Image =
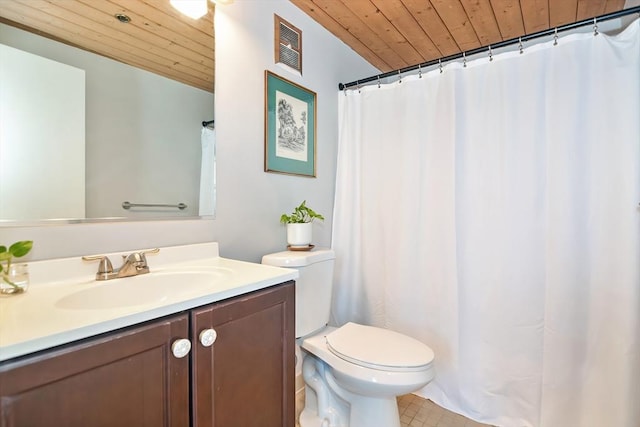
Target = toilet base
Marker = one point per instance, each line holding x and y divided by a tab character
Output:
329	405
378	413
375	412
308	419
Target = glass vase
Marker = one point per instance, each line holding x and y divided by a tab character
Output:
15	280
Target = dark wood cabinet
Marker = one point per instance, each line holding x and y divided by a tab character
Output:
131	377
127	378
246	378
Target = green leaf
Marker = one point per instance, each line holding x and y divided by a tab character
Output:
20	249
301	214
3	249
5	256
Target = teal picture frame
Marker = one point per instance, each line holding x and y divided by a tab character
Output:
289	127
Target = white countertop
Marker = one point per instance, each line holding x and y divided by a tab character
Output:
38	319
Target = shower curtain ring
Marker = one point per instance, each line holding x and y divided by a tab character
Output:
520	45
358	85
419	71
440	65
595	27
464	59
399	77
490	54
378	81
555	36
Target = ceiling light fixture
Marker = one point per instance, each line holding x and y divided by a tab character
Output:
192	8
122	18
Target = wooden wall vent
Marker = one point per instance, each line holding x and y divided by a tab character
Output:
288	43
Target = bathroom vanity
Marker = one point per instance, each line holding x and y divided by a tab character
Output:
217	356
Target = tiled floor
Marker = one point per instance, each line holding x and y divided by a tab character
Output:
418	412
415	412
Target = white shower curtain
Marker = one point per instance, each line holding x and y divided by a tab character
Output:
207	172
491	211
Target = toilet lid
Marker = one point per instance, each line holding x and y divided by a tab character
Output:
378	348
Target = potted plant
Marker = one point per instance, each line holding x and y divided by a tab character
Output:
299	225
14	278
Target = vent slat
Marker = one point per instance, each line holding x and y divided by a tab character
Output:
289	57
288	44
289	37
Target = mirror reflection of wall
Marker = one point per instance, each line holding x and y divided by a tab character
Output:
41	139
143	132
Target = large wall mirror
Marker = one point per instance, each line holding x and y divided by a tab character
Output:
104	103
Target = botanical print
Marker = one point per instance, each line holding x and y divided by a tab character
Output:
290	116
291	127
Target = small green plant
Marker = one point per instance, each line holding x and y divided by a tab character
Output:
300	215
17	250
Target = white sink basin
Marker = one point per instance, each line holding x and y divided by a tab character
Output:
145	289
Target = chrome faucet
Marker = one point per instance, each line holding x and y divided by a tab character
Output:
132	265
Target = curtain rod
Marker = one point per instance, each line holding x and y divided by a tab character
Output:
207	123
527	37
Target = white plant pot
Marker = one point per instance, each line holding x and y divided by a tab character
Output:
299	234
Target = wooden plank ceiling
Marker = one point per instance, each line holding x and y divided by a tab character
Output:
393	34
158	38
390	34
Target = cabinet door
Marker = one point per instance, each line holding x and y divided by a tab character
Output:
125	378
246	378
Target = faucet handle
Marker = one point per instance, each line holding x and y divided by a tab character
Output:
134	258
150	251
105	268
139	257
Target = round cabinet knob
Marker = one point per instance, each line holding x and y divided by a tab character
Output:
208	337
180	348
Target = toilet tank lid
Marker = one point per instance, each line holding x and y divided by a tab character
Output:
298	258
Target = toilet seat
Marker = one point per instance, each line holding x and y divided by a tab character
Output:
378	348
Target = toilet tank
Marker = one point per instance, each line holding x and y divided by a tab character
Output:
313	287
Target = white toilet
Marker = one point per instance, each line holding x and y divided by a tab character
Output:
353	373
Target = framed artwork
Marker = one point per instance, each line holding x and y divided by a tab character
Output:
289	127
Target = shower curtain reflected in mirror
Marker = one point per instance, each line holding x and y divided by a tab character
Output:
492	212
207	172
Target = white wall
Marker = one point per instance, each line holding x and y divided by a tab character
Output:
31	119
250	201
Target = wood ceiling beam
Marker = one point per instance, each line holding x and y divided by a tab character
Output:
321	16
483	20
535	15
408	27
562	12
455	18
429	20
379	25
